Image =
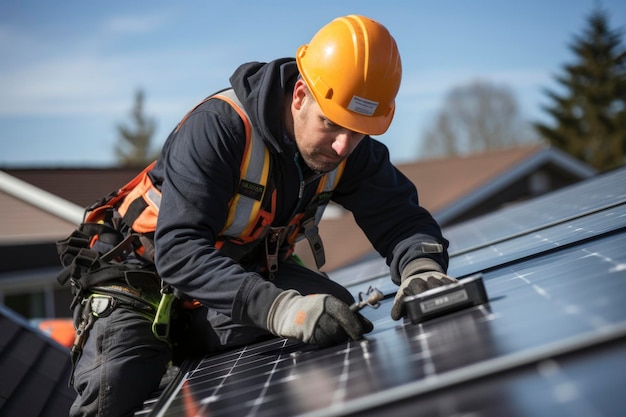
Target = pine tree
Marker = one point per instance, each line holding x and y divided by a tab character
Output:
590	117
133	149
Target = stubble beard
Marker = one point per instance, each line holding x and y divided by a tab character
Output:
315	162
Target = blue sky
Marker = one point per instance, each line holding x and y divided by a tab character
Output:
69	69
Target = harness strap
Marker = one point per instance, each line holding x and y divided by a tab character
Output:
311	233
85	323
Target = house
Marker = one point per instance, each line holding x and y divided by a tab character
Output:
41	206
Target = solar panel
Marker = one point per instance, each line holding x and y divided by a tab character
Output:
578	200
539	309
535	241
588	208
551	340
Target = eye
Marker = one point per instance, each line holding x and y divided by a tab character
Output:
327	123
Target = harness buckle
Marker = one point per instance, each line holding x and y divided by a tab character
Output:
273	242
101	305
311	233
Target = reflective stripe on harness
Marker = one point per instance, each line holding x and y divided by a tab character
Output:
252	208
246	205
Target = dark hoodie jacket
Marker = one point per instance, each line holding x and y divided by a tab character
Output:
198	173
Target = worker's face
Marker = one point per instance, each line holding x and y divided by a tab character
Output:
322	144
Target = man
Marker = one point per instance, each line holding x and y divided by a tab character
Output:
243	176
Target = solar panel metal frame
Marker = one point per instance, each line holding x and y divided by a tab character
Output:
564	279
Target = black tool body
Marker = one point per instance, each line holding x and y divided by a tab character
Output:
468	292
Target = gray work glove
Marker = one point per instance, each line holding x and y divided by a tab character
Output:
416	280
318	319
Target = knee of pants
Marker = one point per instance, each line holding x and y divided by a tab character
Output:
207	331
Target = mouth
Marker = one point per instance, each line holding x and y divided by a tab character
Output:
323	162
335	159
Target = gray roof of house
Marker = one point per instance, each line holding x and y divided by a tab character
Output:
35	370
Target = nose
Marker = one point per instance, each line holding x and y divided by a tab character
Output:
345	142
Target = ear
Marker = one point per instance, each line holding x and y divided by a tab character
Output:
299	94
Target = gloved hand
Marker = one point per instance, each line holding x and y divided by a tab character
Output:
415	284
319	319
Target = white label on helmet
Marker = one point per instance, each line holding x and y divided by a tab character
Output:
362	105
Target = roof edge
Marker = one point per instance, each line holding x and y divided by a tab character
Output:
41	199
529	164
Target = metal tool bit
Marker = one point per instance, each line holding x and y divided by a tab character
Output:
374	295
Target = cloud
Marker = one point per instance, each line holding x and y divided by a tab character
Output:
83	77
61	75
66	85
133	24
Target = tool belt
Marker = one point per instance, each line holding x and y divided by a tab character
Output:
99	288
99	302
100	284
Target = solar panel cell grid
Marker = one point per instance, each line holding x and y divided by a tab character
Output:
535	304
578	200
553	331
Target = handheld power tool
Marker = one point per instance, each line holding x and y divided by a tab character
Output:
468	292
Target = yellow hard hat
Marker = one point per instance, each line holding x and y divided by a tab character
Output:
352	67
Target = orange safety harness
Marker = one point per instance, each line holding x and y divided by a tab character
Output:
124	223
126	218
252	208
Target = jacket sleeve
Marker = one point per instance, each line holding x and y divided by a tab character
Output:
200	171
385	205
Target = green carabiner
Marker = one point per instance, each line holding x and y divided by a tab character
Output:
161	323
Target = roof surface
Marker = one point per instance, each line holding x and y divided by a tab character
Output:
550	341
438	180
22	222
81	186
35	371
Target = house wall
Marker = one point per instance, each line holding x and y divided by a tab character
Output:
28	280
